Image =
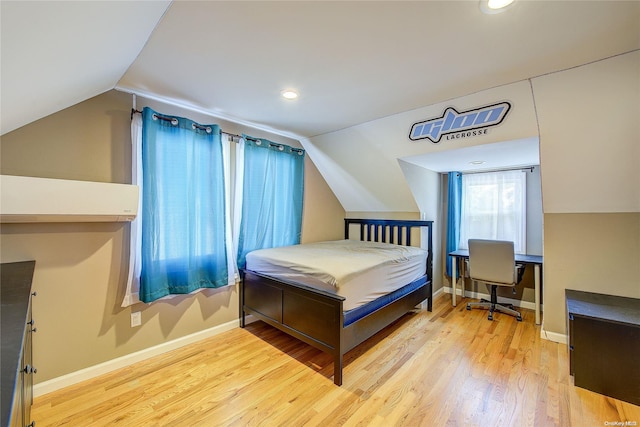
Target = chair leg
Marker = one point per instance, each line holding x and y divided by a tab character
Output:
501	308
493	305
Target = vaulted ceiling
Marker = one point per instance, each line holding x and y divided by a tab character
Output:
351	61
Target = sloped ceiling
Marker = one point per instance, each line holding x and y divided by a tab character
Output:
56	54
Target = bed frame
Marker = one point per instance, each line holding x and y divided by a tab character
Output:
317	317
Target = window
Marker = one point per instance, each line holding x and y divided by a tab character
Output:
184	245
185	237
494	207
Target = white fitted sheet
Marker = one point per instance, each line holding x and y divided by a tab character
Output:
358	271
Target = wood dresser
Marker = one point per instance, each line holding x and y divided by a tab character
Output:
17	327
604	343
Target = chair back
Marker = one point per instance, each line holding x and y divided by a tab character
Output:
492	261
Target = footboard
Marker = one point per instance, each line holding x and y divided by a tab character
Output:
311	315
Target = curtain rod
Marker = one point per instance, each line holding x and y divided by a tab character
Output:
199	110
522	168
232	135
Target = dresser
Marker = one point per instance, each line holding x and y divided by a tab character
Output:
604	344
17	327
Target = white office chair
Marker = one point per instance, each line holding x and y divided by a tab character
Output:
493	262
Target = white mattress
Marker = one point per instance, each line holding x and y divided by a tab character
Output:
358	271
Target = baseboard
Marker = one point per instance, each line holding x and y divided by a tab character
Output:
553	336
72	378
447	289
439	292
477	295
423	304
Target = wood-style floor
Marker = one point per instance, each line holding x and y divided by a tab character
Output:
447	367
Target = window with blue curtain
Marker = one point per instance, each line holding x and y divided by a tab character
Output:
272	196
183	207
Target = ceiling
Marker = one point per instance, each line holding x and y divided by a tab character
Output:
352	62
499	155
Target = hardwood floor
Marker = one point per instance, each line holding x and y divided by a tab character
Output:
447	367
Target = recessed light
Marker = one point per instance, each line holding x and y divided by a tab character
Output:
289	94
477	162
494	6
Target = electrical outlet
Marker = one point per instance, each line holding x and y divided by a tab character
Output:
136	319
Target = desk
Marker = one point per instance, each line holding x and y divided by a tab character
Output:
535	260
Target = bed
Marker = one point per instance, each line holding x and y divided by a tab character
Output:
315	314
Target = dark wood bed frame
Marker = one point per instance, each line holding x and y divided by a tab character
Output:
315	316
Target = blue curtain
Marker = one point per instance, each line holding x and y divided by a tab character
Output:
183	220
272	196
454	210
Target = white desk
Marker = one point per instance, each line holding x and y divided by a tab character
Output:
535	260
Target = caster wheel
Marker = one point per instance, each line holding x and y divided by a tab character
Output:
468	307
519	318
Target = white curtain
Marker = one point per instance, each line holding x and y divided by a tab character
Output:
132	291
494	207
232	267
237	207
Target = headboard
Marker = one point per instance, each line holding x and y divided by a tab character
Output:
392	231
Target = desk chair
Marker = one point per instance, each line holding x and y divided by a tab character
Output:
493	263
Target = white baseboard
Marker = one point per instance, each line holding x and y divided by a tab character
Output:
423	304
439	292
553	336
447	289
129	359
477	295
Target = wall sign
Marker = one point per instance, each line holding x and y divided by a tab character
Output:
455	125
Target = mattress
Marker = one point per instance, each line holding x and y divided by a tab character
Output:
359	271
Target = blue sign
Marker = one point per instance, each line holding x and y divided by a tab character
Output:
460	125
